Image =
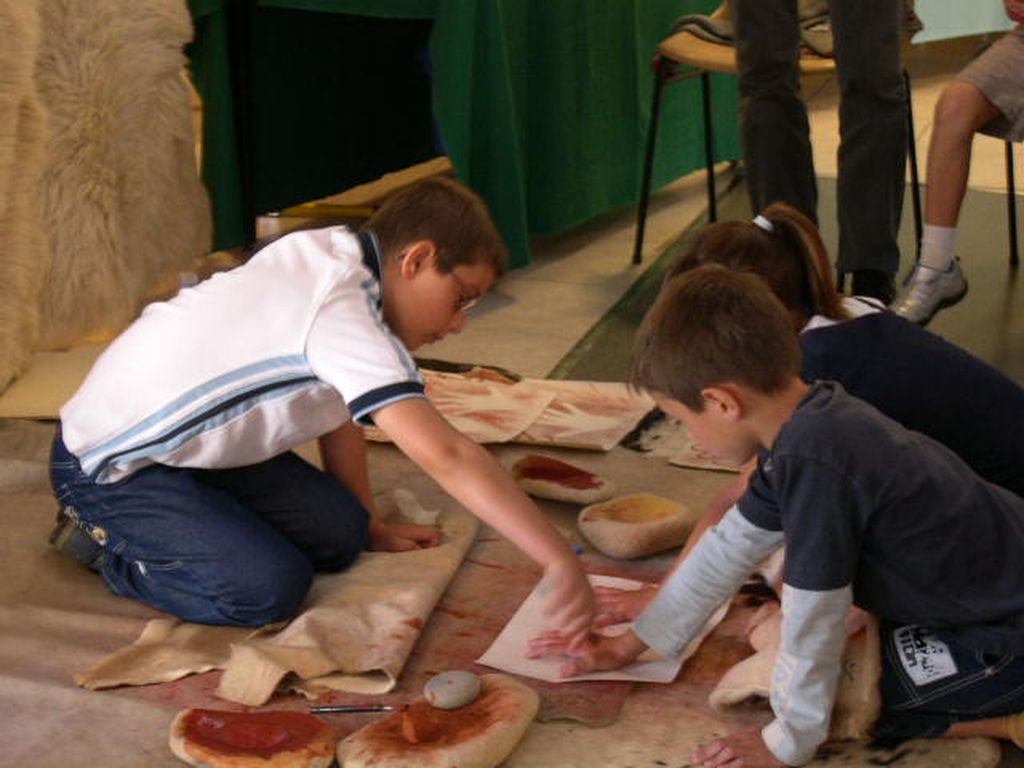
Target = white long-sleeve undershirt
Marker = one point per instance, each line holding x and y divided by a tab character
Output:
806	671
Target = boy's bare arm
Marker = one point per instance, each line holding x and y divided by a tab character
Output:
619	605
717	508
343	453
472	476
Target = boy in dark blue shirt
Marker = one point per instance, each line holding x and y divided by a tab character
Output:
871	514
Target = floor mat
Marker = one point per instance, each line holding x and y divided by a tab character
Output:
493	581
486	591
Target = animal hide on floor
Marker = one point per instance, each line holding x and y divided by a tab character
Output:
858	700
121	204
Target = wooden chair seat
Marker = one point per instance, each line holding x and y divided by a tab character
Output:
687	49
1011	204
684	55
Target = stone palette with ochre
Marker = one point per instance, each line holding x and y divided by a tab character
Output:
546	477
636	525
275	739
479	734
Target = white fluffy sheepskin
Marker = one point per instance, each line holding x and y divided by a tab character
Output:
121	199
23	251
116	185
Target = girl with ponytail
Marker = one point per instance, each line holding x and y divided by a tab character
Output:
909	374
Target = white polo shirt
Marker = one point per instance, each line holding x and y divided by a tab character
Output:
245	365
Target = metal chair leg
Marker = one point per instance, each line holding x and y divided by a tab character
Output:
915	184
242	18
709	144
1011	204
661	70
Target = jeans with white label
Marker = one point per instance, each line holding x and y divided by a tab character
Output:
216	546
929	682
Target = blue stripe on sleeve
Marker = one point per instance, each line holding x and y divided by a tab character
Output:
363	406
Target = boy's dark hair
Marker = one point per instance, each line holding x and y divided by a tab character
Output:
448	214
791	258
711	325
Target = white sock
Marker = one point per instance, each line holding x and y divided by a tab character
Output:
937	246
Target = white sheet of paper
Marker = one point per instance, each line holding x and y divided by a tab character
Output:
508	651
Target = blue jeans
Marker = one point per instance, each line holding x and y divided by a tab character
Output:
930	681
216	546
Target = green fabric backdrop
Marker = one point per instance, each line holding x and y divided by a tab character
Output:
541	105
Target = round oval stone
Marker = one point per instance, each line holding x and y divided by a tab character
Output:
451	690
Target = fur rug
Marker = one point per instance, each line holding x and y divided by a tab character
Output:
121	205
23	251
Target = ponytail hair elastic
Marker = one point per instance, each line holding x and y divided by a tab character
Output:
763	223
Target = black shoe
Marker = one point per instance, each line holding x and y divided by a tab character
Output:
73	542
874	283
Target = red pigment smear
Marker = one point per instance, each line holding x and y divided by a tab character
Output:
414	623
251	733
422	727
535	467
453	612
485	565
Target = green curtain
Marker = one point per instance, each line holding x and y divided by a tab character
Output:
542	105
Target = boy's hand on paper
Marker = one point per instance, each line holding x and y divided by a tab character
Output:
568	599
402	537
615	606
596	653
743	748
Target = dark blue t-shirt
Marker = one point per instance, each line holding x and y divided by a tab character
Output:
896	515
926	384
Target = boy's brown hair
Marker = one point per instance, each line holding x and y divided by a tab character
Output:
790	257
448	214
711	325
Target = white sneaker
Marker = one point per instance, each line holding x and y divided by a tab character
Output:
927	290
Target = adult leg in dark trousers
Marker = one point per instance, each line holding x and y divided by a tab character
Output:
872	152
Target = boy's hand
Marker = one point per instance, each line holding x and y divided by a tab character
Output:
744	748
568	599
594	654
401	537
615	606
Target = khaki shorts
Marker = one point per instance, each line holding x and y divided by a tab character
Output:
997	73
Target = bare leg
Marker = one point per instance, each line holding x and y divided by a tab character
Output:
937	280
961	110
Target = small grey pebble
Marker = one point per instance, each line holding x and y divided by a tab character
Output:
451	690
